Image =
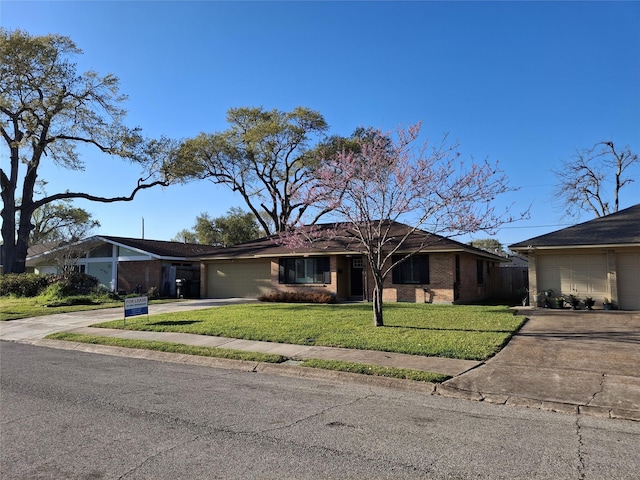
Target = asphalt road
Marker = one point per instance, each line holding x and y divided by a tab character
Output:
72	415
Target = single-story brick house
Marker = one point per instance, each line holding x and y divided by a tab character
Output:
599	258
444	271
128	264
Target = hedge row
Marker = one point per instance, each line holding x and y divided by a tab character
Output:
32	284
297	297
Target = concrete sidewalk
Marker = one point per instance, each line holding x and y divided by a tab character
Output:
447	366
572	362
36	328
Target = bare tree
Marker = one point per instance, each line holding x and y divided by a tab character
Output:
592	179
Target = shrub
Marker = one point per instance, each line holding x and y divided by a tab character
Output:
297	297
55	291
23	284
76	283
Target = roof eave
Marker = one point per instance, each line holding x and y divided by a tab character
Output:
529	248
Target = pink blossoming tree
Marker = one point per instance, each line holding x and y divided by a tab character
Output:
389	179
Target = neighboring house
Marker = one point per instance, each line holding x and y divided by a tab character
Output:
444	271
599	258
128	264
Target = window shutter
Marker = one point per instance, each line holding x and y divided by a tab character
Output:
423	266
281	270
396	275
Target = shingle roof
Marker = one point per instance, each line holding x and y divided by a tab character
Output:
336	239
157	248
46	247
620	228
163	248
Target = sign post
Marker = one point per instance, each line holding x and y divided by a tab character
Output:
135	306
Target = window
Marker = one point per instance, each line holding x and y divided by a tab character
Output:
413	270
480	271
127	252
102	251
305	270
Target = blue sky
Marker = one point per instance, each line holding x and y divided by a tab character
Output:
518	82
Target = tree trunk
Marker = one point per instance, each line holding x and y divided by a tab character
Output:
377	305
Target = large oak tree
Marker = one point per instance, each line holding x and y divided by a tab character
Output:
237	226
48	110
267	156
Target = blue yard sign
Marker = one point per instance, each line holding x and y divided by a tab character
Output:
136	306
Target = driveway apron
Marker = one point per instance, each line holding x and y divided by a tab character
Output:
586	360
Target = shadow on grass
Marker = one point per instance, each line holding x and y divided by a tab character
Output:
442	329
175	323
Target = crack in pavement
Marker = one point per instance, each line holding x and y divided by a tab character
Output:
317	414
600	390
157	454
580	452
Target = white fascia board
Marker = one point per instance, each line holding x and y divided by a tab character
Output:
573	247
118	244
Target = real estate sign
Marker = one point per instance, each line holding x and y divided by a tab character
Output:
136	306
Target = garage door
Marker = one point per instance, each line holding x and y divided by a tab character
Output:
629	281
239	278
581	275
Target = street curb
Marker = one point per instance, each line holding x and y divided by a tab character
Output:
525	402
241	365
342	377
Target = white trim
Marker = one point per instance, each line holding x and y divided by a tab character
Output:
565	247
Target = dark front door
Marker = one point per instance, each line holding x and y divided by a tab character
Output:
357	281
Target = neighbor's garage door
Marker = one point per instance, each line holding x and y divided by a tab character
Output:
581	275
240	278
629	281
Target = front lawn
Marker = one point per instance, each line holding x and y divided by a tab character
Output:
466	332
14	308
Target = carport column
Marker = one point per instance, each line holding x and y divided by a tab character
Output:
612	275
533	283
203	280
114	268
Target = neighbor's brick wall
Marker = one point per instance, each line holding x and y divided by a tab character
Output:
147	274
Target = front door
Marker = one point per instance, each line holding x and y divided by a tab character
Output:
357	278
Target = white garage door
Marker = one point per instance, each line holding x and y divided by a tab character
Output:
629	281
581	275
239	278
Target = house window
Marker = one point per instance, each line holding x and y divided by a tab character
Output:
413	270
480	271
102	251
305	270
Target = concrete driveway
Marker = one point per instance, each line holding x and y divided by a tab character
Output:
584	361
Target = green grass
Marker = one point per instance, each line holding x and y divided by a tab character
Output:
169	347
390	372
14	308
376	370
465	332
